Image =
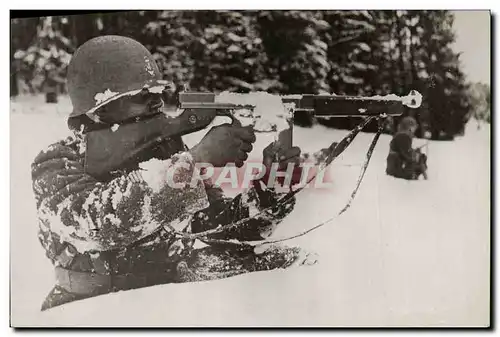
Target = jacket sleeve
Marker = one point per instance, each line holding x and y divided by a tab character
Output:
97	216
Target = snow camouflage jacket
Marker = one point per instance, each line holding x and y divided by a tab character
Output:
401	144
124	224
401	162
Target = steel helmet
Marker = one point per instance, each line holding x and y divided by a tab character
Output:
107	68
407	123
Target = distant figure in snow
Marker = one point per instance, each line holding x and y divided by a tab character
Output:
120	230
403	161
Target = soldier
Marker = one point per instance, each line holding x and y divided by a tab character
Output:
115	232
403	161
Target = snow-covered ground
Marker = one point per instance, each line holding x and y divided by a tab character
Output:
405	254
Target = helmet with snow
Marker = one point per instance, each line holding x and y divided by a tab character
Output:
109	68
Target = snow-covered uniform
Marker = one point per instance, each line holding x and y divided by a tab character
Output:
116	234
112	232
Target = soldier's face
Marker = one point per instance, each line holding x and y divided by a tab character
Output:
131	108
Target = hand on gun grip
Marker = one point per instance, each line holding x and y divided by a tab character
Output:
275	153
225	144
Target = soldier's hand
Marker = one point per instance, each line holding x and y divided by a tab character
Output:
274	153
225	144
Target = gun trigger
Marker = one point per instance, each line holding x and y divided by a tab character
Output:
235	121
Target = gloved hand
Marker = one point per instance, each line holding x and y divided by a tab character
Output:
225	144
275	153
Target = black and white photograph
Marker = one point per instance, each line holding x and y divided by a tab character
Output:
250	168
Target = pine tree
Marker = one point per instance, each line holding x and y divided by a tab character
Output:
398	50
230	54
298	55
209	50
171	37
349	51
350	58
44	62
446	88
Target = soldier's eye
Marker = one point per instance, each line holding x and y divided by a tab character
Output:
156	104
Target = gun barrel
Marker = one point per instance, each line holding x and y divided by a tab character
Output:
319	105
213	105
345	106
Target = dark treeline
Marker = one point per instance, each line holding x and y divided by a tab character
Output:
287	52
